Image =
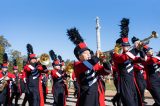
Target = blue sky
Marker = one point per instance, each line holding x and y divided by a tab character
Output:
43	23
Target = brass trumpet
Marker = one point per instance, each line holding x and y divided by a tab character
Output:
146	40
153	35
118	48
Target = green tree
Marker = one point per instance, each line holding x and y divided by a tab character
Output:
15	54
4	44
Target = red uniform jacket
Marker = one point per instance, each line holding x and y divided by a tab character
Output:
148	65
80	69
125	67
40	69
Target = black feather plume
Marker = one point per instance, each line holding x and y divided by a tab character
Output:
29	49
52	55
124	27
14	62
5	58
74	36
60	58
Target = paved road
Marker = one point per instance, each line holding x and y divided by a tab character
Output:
71	100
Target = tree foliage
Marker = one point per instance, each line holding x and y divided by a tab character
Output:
4	44
15	54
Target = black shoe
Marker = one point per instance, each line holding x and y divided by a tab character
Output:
113	102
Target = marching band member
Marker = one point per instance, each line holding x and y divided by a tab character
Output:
16	87
139	71
33	72
87	70
128	88
152	67
5	78
58	88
